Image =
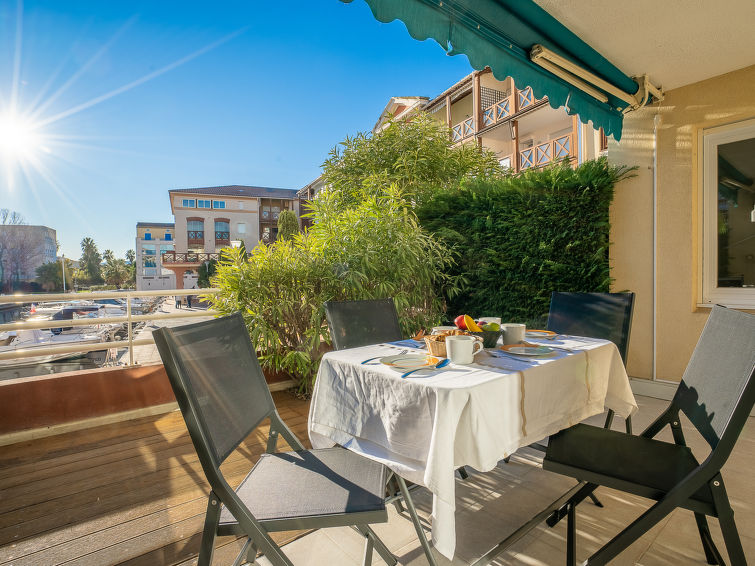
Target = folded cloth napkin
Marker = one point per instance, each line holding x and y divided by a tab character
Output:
409	343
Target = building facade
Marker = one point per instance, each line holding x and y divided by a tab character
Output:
212	218
153	240
522	131
23	248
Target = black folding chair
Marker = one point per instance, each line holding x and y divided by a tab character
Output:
595	315
717	393
361	323
223	397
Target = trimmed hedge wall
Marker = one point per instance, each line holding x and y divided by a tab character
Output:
519	238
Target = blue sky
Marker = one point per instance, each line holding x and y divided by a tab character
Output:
244	92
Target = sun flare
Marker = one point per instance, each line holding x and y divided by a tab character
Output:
19	137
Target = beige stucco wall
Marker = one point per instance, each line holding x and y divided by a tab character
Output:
461	109
682	115
158	232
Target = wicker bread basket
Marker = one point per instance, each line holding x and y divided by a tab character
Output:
436	347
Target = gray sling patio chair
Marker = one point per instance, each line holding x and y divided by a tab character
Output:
361	323
223	396
716	393
595	315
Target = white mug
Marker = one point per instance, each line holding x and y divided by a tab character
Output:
513	333
461	349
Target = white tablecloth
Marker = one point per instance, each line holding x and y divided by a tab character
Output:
425	427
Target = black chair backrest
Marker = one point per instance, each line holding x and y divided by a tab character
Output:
717	391
596	315
360	323
218	383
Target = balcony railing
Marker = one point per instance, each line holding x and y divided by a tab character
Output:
498	111
524	99
129	319
546	152
462	130
503	109
188	257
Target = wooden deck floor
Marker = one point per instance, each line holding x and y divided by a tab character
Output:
127	493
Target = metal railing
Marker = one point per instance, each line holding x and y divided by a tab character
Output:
129	319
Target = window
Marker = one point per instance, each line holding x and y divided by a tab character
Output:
188	203
222	230
265	213
148	257
241	228
168	236
147	236
218	204
505	162
204	204
241	205
165	248
195	231
727	250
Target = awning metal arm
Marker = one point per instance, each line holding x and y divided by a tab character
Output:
587	81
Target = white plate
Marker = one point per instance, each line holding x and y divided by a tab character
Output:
539	334
528	350
406	362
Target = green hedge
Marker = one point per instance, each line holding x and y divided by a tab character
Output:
521	237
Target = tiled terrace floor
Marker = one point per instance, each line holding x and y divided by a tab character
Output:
133	494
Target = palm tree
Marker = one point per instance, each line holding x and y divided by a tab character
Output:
116	272
91	260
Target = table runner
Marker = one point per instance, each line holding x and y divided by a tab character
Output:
427	426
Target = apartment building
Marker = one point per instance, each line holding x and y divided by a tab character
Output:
521	130
209	219
153	240
24	248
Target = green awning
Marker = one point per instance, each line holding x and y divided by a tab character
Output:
500	34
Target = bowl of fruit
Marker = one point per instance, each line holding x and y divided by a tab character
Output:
490	332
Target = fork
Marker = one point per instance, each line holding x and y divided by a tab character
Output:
401	353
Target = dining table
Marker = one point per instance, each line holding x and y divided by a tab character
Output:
429	424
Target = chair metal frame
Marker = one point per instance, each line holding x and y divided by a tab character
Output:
707	475
398	491
256	530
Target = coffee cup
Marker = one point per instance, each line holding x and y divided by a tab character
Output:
462	349
513	333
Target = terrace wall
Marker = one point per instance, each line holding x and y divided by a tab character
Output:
681	116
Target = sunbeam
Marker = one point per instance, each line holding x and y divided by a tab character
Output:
44	105
142	80
27	144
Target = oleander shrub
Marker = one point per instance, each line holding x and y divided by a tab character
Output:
520	237
365	242
373	250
